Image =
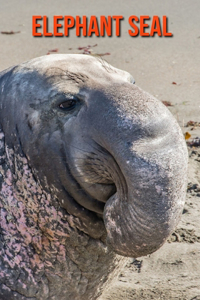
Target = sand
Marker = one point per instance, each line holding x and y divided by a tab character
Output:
168	68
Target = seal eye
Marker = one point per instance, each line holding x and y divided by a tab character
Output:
67	105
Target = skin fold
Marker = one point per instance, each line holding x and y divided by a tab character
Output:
92	170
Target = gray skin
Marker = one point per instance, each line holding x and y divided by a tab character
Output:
92	169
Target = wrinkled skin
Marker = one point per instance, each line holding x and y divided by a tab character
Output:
91	167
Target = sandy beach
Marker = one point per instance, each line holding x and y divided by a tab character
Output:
166	67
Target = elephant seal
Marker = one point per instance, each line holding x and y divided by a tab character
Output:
92	170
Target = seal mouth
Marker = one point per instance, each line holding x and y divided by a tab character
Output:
93	178
101	193
105	191
103	178
96	203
